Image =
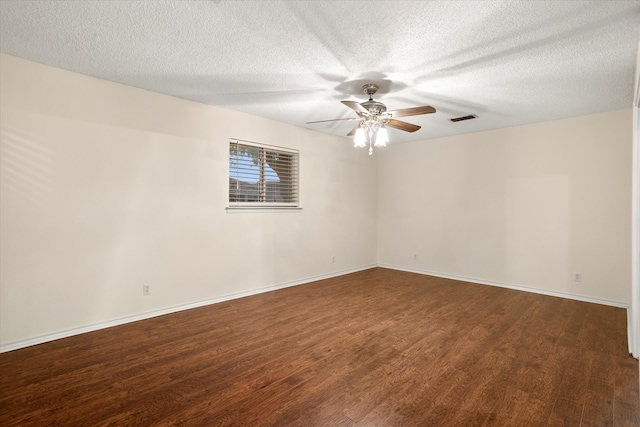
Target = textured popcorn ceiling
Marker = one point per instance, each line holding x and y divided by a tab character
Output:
508	62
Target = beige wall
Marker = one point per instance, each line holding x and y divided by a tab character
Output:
105	187
524	206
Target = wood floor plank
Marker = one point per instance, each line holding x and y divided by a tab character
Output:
572	392
377	347
626	392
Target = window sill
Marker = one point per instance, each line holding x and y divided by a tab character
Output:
262	209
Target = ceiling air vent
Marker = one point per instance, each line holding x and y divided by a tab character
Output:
459	119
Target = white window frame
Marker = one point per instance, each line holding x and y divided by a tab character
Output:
261	205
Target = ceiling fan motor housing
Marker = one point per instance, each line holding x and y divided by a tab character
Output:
374	107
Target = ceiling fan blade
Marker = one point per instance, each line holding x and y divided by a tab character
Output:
407	127
353	131
355	106
415	111
334	120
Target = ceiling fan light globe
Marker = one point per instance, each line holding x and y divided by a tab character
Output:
360	139
382	138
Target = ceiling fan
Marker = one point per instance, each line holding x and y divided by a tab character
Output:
373	119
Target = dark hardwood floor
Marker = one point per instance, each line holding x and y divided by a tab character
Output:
374	348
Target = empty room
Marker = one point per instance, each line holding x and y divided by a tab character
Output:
319	213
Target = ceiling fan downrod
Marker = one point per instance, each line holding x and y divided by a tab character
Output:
370	89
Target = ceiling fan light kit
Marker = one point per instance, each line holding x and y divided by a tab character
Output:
374	118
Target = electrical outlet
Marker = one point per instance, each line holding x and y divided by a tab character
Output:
577	277
146	289
415	257
333	259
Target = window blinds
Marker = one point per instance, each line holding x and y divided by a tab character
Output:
261	175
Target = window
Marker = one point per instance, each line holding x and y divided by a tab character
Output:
262	176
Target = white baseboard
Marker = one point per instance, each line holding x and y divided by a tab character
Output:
567	295
147	315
